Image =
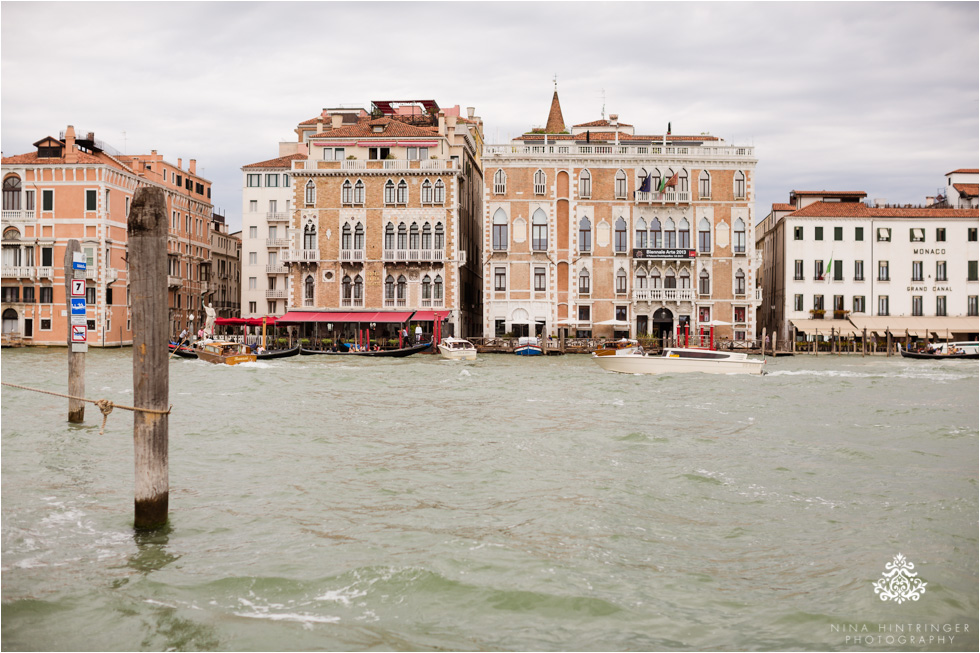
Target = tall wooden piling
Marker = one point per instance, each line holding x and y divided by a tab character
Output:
147	229
76	359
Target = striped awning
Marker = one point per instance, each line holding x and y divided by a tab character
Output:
346	317
825	327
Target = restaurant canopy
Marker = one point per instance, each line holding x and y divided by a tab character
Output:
920	326
246	321
346	317
825	327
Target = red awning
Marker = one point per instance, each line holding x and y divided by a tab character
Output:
296	317
430	316
246	321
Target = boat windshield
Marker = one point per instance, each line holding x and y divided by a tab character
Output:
687	353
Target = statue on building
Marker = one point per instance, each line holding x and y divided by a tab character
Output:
209	324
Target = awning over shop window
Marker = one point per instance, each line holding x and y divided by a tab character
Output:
919	326
430	316
344	317
824	327
245	321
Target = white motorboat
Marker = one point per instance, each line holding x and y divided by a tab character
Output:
676	360
621	347
457	349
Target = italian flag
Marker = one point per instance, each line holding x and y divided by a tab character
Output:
663	184
830	264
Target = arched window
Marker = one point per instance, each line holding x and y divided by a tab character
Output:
346	284
655	278
585	184
670	281
641	279
440	242
358	289
308	289
683	183
309	236
10	321
670	236
11	194
347	192
11	233
684	234
739	185
539	231
413	236
389	192
621	242
390	236
440	194
655	180
656	235
621	281
499	230
402	236
620	184
738	245
585	235
402	192
641	178
641	234
704	283
358	236
704	236
685	279
704	185
499	182
437	289
359	192
584	287
427	236
310	193
427	192
345	238
389	288
426	289
540	182
740	283
401	288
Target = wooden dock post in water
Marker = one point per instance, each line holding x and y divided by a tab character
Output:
76	359
147	229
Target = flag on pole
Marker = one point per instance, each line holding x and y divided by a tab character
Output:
673	180
663	184
645	186
830	264
668	129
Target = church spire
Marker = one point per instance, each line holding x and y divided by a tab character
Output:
556	123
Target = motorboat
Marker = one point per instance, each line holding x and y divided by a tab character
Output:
457	349
676	360
528	346
621	347
223	352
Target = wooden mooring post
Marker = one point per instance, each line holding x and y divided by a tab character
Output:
76	351
147	230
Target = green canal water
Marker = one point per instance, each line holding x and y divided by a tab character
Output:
499	504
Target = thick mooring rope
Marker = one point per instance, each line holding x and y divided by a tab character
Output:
104	405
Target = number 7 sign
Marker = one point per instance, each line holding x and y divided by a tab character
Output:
78	287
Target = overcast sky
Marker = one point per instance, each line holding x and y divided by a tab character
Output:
880	97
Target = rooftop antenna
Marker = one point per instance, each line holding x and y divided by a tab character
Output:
603	103
125	148
556	82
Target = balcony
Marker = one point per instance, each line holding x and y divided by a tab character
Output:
414	255
347	301
432	303
352	255
700	152
19	215
276	294
376	165
276	269
45	273
173	282
277	242
664	295
390	303
302	256
278	216
666	197
91	274
111	274
18	271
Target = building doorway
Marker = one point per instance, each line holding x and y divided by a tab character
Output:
663	323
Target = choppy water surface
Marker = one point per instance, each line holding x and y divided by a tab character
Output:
505	503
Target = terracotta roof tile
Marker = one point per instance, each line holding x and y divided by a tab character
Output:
392	129
860	210
967	190
279	162
556	122
83	157
831	193
965	171
783	207
602	123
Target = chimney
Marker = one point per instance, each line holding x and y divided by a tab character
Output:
442	123
180	163
614	119
451	122
336	121
319	125
192	167
470	112
71	155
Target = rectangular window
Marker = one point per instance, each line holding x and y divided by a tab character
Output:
858	233
253	258
818	233
858	304
941	305
797	302
499	328
254	181
47	200
884	235
971	270
418	153
940	235
272	180
739	314
941	271
28	294
916	304
971	305
90	295
252	307
29	200
838	233
253	206
47	295
584	313
917	271
376	153
797	233
91	200
798	270
859	270
47	256
253	283
45	324
500	279
971	234
253	232
838	270
917	235
882	270
818	270
540	279
883	305
11	294
818	302
90	324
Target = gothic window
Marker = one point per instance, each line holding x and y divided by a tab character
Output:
670	236
437	289
389	287
704	283
641	279
402	192
684	234
358	236
426	288
540	182
585	235
440	192
641	234
499	182
539	231
739	185
739	245
347	192
739	283
500	230
685	277
389	192
390	236
622	236
309	237
620	185
345	238
308	288
310	193
704	236
621	281
585	184
427	236
656	235
583	282
413	236
440	242
402	236
427	192
704	185
359	192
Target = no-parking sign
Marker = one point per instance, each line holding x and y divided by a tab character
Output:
78	333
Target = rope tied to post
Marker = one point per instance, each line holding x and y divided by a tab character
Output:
104	405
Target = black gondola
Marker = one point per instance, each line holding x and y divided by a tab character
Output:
183	351
389	353
279	353
921	355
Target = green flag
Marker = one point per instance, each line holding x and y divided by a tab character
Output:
663	184
830	264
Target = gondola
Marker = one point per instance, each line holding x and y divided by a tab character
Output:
386	353
279	353
183	351
939	356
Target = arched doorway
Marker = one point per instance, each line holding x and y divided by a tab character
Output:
663	323
10	321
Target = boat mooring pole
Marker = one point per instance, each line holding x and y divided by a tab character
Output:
76	351
147	231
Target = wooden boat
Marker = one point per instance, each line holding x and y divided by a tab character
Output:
278	353
939	356
457	349
620	347
183	351
528	347
222	352
680	360
382	353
